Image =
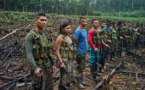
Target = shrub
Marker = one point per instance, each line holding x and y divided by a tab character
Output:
1	20
97	13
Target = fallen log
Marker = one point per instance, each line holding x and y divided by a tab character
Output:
20	78
132	73
11	86
14	31
9	53
107	77
134	54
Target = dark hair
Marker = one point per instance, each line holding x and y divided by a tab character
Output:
101	22
62	26
119	23
92	21
40	14
81	19
141	25
113	22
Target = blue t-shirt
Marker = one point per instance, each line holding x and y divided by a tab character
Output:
82	44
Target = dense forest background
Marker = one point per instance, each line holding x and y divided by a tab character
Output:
123	8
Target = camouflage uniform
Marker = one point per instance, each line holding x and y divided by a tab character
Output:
125	40
120	41
38	48
109	34
114	42
68	53
104	51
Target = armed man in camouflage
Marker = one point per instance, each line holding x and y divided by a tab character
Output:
38	55
120	37
107	42
65	52
133	38
139	33
114	41
126	35
104	50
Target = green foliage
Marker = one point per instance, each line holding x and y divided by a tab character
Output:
130	19
1	20
23	18
7	21
124	8
97	13
20	18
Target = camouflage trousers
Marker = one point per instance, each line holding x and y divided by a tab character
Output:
45	82
80	64
66	75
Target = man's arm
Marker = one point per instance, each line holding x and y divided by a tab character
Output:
90	36
106	45
76	36
29	51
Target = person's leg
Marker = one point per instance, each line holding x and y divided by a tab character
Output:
72	70
79	70
100	63
92	63
69	74
83	69
48	79
62	80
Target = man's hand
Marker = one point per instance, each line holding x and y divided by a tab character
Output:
62	65
106	45
138	33
38	72
54	68
121	37
96	49
109	41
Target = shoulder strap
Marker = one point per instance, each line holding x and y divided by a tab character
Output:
34	33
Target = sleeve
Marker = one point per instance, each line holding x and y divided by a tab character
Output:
90	36
29	51
76	34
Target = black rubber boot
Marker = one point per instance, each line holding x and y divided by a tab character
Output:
92	70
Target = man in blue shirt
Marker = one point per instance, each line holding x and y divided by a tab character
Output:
80	36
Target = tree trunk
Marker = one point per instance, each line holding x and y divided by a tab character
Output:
23	8
40	6
4	4
132	4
